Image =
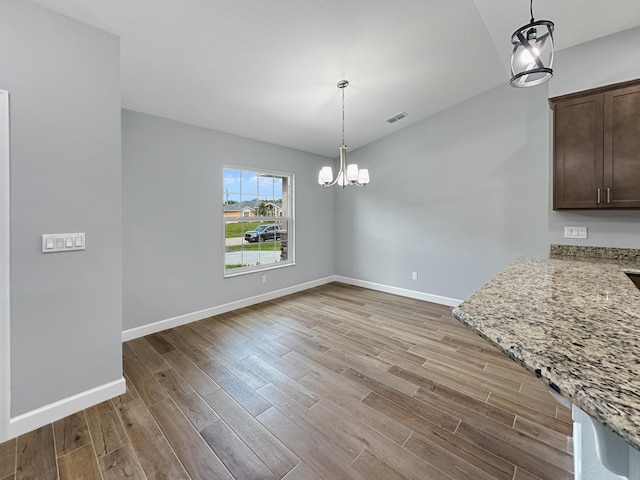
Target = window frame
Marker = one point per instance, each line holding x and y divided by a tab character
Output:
290	219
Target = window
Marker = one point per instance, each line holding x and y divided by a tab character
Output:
258	220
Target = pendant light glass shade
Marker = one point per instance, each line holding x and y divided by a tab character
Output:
348	174
532	55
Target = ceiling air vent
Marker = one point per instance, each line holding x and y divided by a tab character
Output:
396	117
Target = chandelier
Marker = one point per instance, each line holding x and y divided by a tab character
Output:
348	174
532	55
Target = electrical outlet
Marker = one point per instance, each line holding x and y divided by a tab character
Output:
264	279
414	275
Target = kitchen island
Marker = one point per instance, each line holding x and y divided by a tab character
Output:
575	323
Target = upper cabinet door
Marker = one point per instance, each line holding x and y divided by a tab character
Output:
622	147
578	148
596	148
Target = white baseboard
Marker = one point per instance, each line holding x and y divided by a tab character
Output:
247	302
227	307
34	419
427	297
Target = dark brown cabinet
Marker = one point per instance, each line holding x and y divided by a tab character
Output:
596	148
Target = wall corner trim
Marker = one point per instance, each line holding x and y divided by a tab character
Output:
227	307
34	419
403	292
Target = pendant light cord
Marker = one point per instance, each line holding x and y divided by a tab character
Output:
342	115
531	10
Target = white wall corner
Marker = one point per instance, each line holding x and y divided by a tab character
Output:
403	292
5	262
34	419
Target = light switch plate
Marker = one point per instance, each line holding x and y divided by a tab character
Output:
63	242
575	232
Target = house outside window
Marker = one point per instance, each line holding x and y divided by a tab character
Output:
257	210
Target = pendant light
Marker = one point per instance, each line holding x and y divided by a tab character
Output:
348	174
532	55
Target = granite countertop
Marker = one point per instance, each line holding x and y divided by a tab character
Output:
575	323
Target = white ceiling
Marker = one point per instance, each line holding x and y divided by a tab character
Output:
267	69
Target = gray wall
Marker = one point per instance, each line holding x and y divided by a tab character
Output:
611	59
455	197
459	195
172	226
66	310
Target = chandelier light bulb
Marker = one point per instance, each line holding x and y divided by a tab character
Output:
347	175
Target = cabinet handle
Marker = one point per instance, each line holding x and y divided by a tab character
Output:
608	195
599	197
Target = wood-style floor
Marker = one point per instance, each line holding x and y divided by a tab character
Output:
337	382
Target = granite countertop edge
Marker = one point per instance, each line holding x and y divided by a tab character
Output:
568	335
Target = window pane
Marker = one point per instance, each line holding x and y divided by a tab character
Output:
257	222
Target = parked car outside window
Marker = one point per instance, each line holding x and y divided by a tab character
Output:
262	233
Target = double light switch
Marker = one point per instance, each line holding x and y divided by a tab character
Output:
62	242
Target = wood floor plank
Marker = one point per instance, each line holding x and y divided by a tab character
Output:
336	382
357	363
290	369
273	453
430	377
8	458
354	389
524	475
121	464
261	335
316	456
230	363
198	459
373	468
467	451
160	343
358	410
106	430
521	458
192	352
546	435
149	443
36	456
143	380
319	358
130	394
296	390
198	380
407	402
445	460
541	450
153	361
192	406
532	413
452	401
345	447
80	464
235	454
302	472
70	433
241	393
